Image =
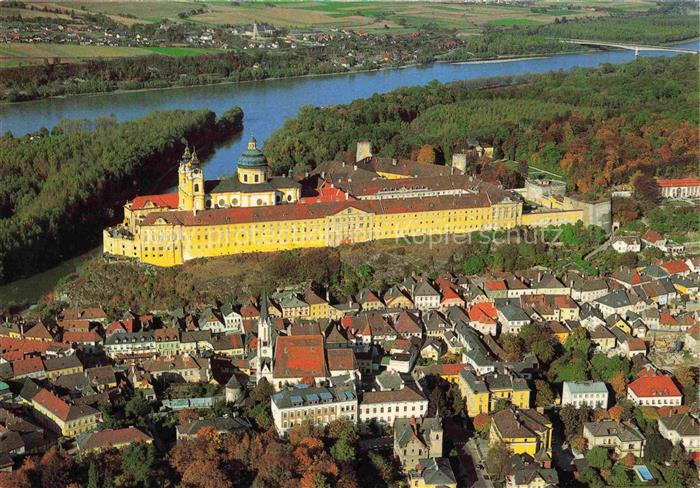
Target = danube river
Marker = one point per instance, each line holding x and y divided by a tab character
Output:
267	104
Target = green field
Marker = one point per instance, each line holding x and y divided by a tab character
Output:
177	52
507	22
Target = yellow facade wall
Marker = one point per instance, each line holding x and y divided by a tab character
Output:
163	244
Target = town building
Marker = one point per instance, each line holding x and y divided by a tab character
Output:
317	405
67	419
623	437
386	406
483	392
654	390
679	188
112	439
256	212
523	431
591	394
416	439
432	473
683	429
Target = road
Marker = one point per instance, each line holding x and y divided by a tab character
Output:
477	450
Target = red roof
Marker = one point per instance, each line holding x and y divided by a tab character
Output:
299	356
341	359
676	266
27	366
448	369
166	200
407	323
52	403
654	386
27	345
652	236
665	318
666	183
77	336
327	193
39	331
318	210
484	312
495	285
115	437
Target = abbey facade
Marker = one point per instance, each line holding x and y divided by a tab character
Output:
338	203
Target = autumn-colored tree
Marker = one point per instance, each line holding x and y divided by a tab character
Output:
205	473
600	414
187	415
579	443
482	422
513	347
615	412
629	460
618	382
426	154
685	375
646	190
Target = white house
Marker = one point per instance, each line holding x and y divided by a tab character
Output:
593	394
654	390
623	244
387	406
683	429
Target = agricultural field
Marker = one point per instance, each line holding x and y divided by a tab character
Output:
349	15
15	54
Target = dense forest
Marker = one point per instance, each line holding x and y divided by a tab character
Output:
59	188
598	127
434	44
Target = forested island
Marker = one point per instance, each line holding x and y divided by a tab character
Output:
59	188
597	127
369	51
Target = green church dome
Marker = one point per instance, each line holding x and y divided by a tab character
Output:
252	157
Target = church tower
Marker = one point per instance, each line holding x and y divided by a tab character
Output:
190	188
252	165
265	338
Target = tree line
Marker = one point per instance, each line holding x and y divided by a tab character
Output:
58	189
599	127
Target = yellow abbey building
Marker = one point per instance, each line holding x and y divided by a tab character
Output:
338	203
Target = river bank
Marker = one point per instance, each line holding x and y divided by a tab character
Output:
267	106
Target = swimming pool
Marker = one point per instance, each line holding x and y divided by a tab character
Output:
643	473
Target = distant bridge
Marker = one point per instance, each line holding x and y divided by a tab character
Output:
630	47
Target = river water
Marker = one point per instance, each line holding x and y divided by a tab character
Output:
267	104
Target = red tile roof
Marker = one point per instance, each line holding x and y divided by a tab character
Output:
316	210
79	336
495	285
165	200
407	323
666	183
484	312
676	266
341	359
60	408
652	236
299	356
654	386
39	331
27	366
90	313
27	346
327	193
115	438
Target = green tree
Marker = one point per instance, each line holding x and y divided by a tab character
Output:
138	461
344	448
544	395
473	265
93	476
657	449
497	460
598	458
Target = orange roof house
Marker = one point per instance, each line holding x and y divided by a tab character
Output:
299	356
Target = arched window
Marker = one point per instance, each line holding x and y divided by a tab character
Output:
289	197
196	187
245	178
222	202
259	202
234	201
256	178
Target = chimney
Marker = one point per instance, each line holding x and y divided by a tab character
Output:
354	167
323	174
394	161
